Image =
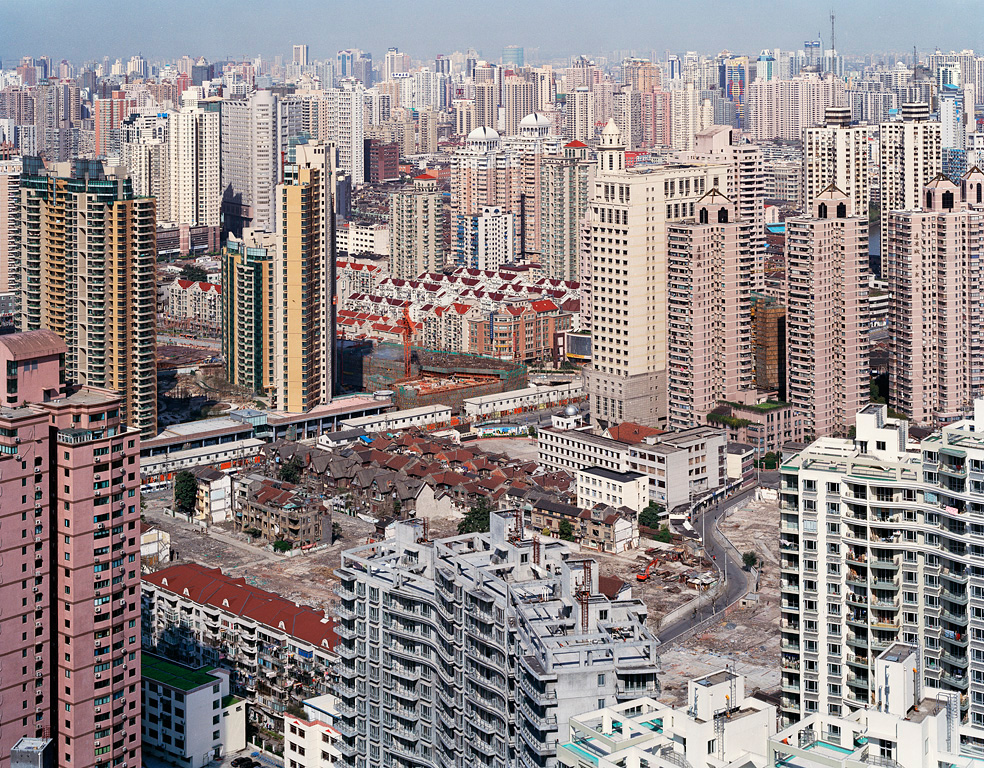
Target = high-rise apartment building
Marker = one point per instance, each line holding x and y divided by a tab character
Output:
416	229
689	114
482	174
880	544
193	167
10	173
477	650
641	75
301	54
143	152
745	183
782	109
255	131
88	255
108	114
838	153
518	101
69	562
910	154
565	183
579	115
341	119
932	259
827	313
248	316
711	265
630	209
304	280
487	104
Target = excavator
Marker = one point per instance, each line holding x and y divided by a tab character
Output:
645	574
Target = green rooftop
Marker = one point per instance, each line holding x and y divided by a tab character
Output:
228	701
174	675
768	405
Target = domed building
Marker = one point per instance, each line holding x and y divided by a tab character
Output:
535	126
483	139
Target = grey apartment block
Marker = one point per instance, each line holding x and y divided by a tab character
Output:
475	650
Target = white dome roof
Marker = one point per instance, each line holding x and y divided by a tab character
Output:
536	120
482	133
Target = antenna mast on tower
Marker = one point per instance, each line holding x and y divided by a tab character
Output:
833	47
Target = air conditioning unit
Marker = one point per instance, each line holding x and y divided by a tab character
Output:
122	537
16	439
97	477
36	590
98	609
98	676
101	526
122	504
122	569
39	674
99	709
38	625
38	657
38	488
122	602
98	644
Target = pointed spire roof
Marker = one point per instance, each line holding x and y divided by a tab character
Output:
611	129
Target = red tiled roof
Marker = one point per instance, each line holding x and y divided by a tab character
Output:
628	432
576	144
209	586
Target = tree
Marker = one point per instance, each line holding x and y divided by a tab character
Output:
749	560
282	546
185	492
194	273
290	472
476	519
663	534
566	530
532	432
254	533
396	508
336	531
649	517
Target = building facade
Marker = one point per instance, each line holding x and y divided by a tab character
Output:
932	262
71	674
416	229
447	629
827	314
88	254
879	546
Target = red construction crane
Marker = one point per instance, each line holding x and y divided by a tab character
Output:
406	328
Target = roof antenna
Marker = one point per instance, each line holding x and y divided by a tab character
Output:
833	48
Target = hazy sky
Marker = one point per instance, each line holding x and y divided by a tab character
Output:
86	29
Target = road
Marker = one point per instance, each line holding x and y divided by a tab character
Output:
729	565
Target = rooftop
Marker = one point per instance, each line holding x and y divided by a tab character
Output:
173	675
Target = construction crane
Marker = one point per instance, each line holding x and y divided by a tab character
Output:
406	329
645	574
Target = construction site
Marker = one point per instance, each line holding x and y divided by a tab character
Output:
421	377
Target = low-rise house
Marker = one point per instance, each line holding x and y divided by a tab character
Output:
597	485
155	548
189	714
213	499
764	424
200	302
276	651
311	741
279	511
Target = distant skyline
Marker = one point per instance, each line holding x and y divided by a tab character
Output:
80	30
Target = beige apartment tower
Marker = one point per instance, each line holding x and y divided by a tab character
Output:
304	281
827	314
838	153
932	262
630	210
88	251
416	229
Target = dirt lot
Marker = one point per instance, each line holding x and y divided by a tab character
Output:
748	637
521	449
307	579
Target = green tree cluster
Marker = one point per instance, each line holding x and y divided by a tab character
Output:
476	519
185	492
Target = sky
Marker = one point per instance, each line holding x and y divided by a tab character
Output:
80	30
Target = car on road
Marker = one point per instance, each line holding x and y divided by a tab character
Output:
242	762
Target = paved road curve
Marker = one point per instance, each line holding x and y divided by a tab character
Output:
729	563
